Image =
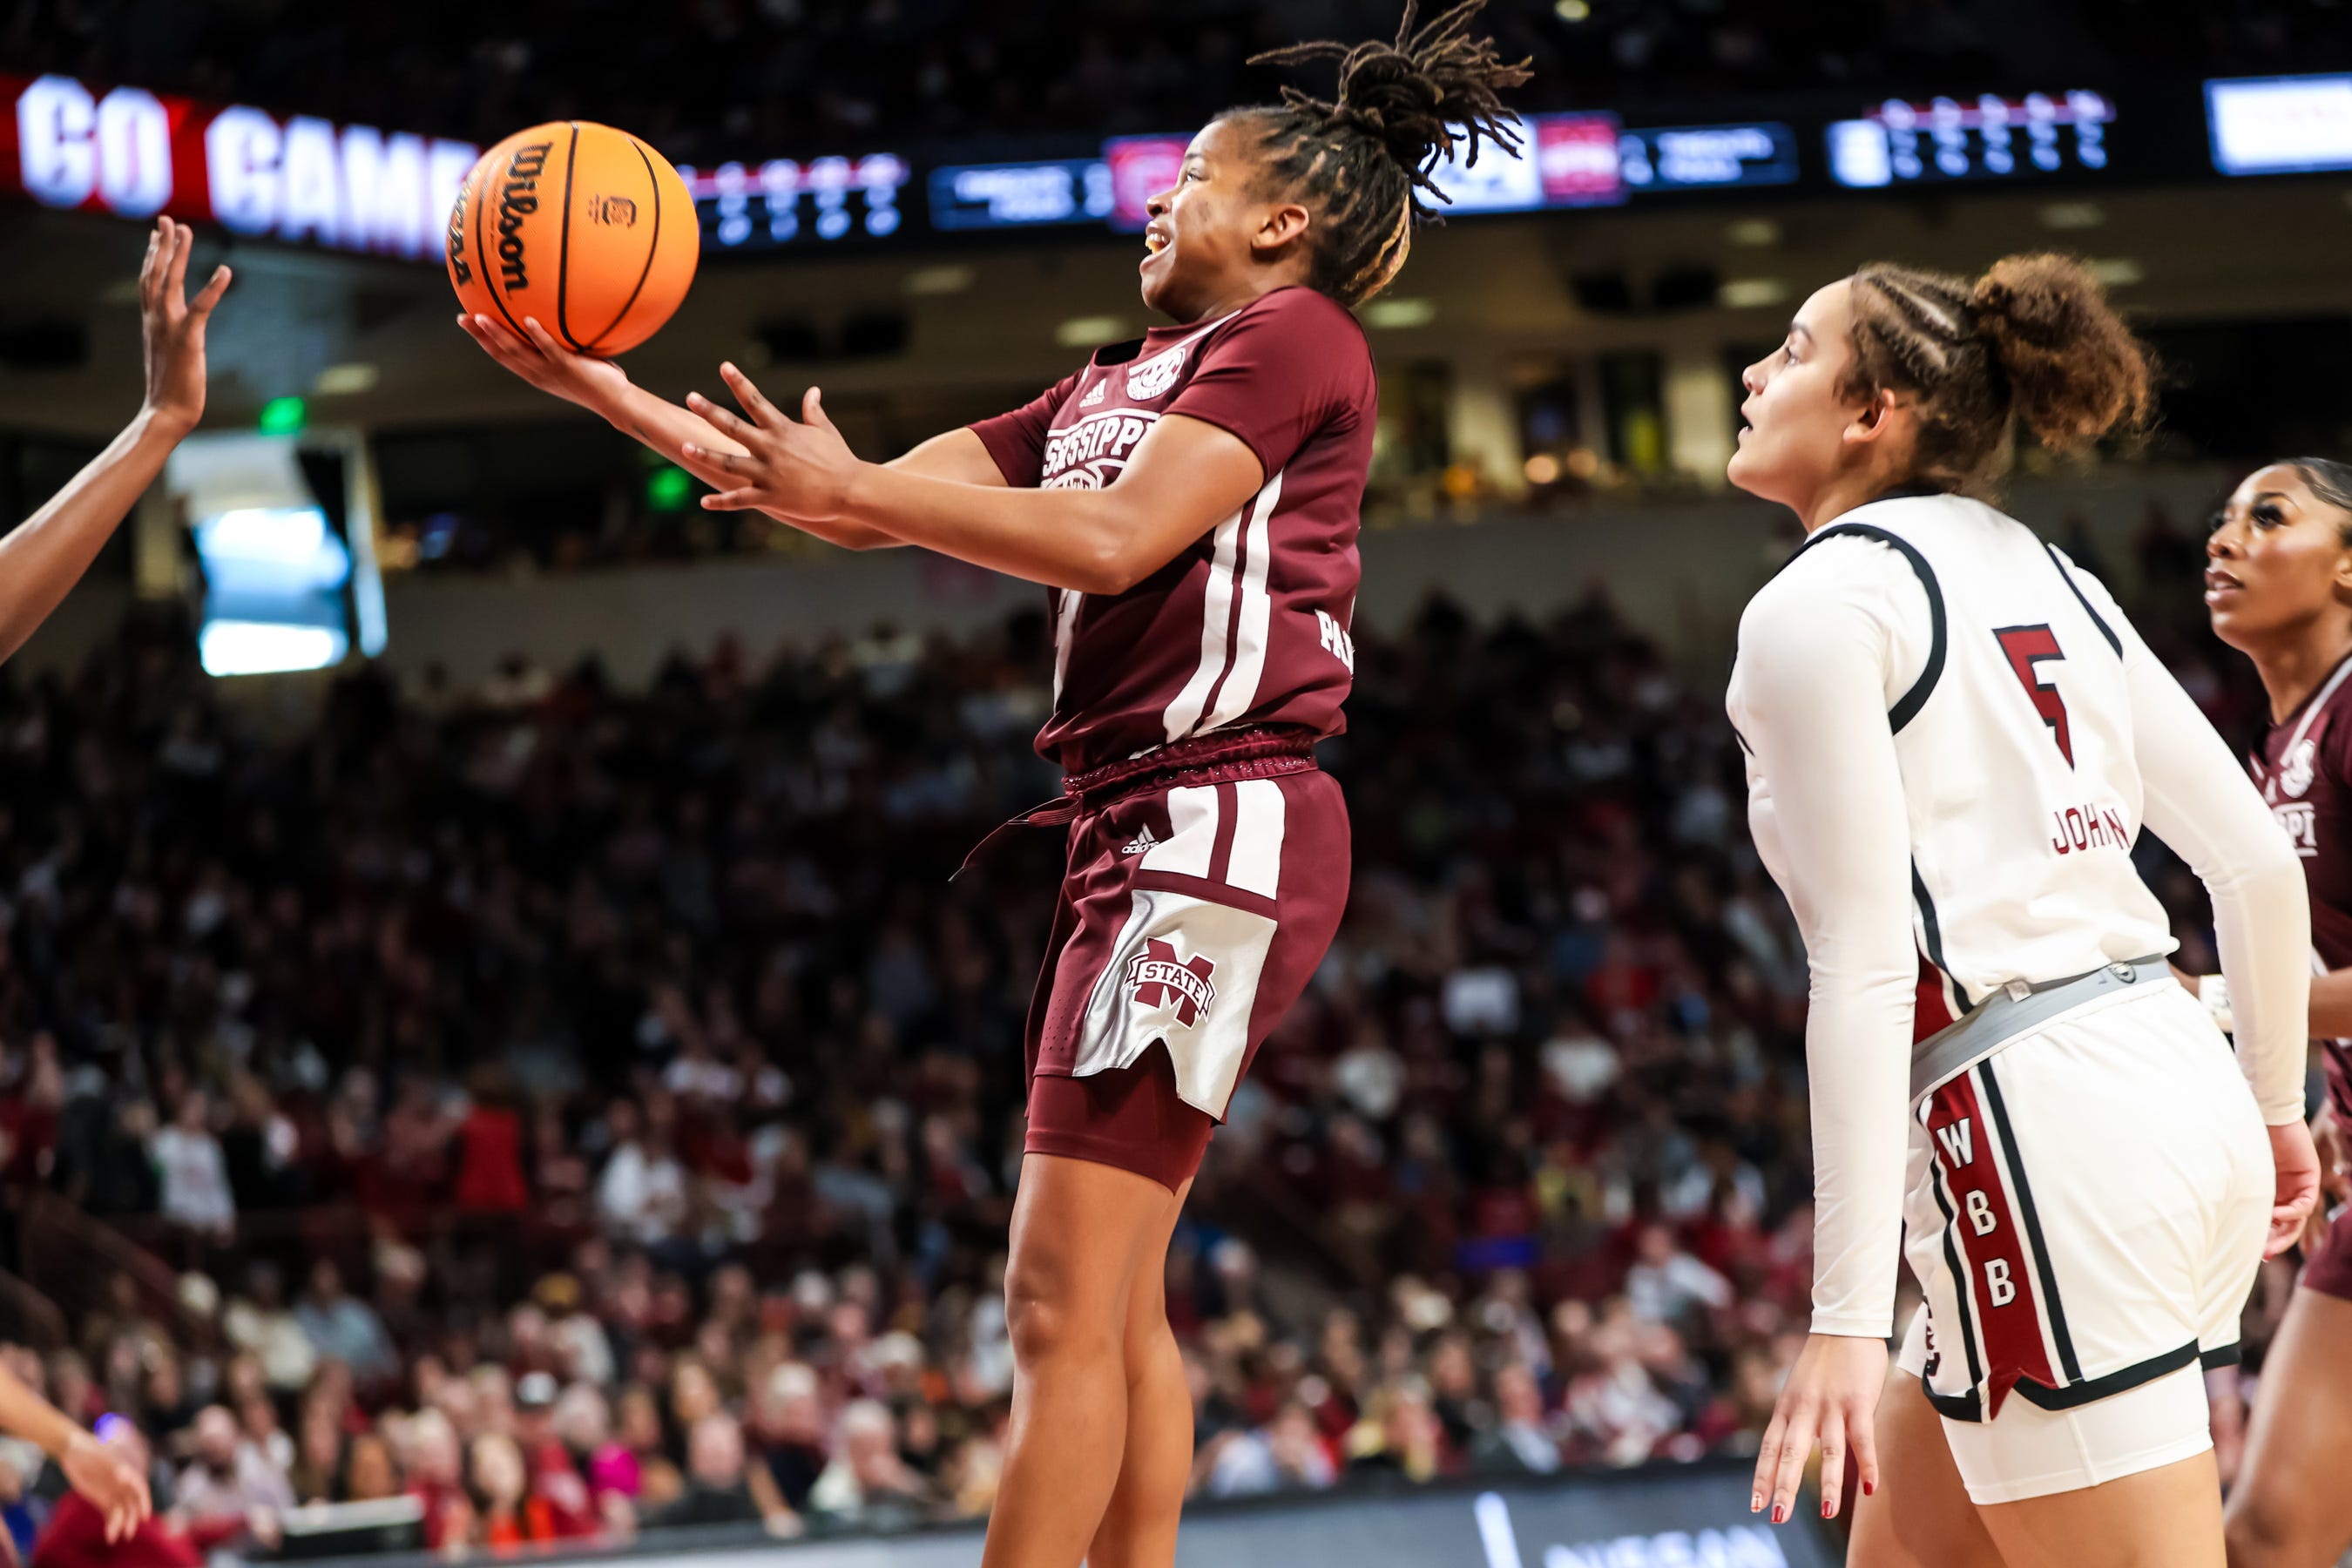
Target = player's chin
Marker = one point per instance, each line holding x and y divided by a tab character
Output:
1744	471
2232	624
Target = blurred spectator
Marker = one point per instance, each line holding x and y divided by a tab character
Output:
340	1327
1521	1438
866	1479
716	1490
489	1148
642	1194
509	1512
1667	1283
1288	1454
230	1476
195	1190
555	1478
260	1322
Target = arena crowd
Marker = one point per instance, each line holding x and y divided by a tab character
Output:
592	1112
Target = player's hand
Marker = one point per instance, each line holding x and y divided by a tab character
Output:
1831	1400
2297	1164
2334	1185
100	1475
798	469
172	325
595	384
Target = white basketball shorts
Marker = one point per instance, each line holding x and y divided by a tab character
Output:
2085	1213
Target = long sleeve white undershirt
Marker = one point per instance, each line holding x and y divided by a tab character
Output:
2199	800
1823	650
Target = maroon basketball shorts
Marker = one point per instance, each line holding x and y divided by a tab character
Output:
2329	1270
1199	898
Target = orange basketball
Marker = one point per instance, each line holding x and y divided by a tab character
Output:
581	225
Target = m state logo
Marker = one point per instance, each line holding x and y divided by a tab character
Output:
1159	980
1151	378
2297	767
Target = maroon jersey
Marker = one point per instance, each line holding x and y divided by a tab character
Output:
1248	625
2305	772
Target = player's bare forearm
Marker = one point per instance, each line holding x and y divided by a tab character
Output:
44	557
1183	476
2331	1004
957	456
1074	539
26	1414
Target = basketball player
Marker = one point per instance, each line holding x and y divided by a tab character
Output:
2278	586
40	559
1953	738
1192	500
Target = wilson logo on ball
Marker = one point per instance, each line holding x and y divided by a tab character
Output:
518	199
461	271
1161	982
618	211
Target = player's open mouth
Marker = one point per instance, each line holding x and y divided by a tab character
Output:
2218	582
1155	240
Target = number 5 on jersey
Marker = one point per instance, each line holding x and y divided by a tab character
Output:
2028	647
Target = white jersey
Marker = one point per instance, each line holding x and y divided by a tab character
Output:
1953	738
2013	730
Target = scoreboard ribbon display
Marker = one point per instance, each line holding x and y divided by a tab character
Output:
299	179
136	154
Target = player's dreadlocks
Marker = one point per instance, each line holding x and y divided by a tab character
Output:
1364	158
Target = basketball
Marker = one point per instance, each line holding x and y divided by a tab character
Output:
581	225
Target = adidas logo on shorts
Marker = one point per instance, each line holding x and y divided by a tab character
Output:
1140	842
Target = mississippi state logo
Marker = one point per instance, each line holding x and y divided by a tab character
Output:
2296	768
1159	981
1151	378
618	211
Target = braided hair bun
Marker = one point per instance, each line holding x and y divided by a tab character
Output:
1364	159
2034	342
2075	370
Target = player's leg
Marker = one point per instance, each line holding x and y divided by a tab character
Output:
1138	1529
2165	1518
1080	1231
2291	1508
1920	1516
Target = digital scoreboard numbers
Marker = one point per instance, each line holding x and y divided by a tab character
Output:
1709	157
1020	196
1986	138
786	201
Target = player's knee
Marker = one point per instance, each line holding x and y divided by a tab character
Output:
1048	1316
2259	1534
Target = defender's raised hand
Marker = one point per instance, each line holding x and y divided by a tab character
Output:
172	326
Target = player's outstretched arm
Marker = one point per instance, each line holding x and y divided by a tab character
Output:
1183	476
48	553
118	1490
604	389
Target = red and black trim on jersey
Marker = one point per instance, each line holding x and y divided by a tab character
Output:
2013	1328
